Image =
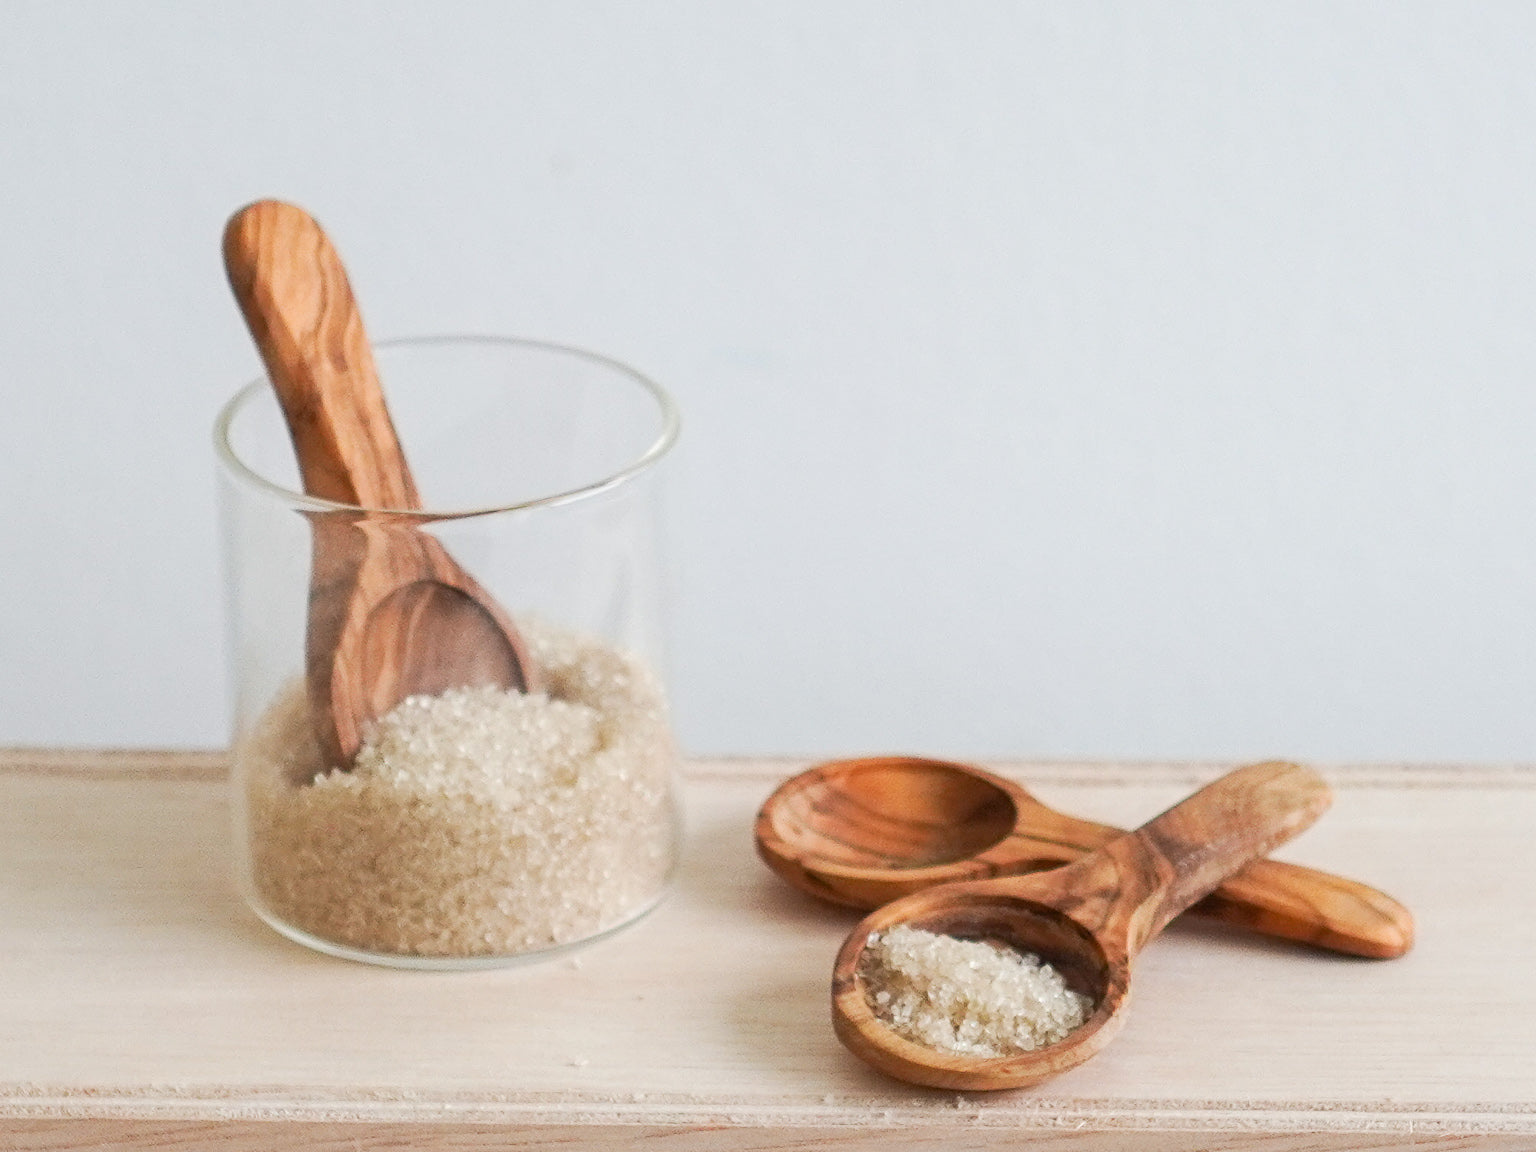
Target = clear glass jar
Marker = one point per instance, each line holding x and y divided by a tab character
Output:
483	824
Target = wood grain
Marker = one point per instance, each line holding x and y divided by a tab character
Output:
863	832
391	614
142	1007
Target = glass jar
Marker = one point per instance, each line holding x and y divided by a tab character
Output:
477	824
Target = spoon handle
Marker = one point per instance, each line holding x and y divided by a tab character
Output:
1287	901
293	289
1291	902
1175	859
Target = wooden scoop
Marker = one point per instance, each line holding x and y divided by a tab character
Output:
865	832
1088	919
391	614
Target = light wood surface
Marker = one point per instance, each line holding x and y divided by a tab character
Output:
1089	920
142	1006
866	831
391	613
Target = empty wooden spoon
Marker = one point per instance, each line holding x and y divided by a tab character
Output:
391	614
1088	919
864	832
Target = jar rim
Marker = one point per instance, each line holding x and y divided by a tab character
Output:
658	447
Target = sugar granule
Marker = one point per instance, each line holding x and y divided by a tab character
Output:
480	822
967	996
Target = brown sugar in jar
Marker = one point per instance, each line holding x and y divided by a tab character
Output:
480	823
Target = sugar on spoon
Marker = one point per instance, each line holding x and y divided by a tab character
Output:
865	831
391	613
1088	919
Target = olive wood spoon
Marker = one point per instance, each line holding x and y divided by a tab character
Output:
391	614
864	832
1088	919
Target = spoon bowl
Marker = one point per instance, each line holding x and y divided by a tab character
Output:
866	831
889	814
1008	921
1088	919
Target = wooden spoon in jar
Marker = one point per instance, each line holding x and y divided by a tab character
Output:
391	614
1088	919
867	831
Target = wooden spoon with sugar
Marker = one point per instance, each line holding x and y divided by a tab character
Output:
1088	919
391	614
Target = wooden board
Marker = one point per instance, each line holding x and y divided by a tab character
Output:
141	1005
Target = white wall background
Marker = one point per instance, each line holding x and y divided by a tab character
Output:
1081	379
